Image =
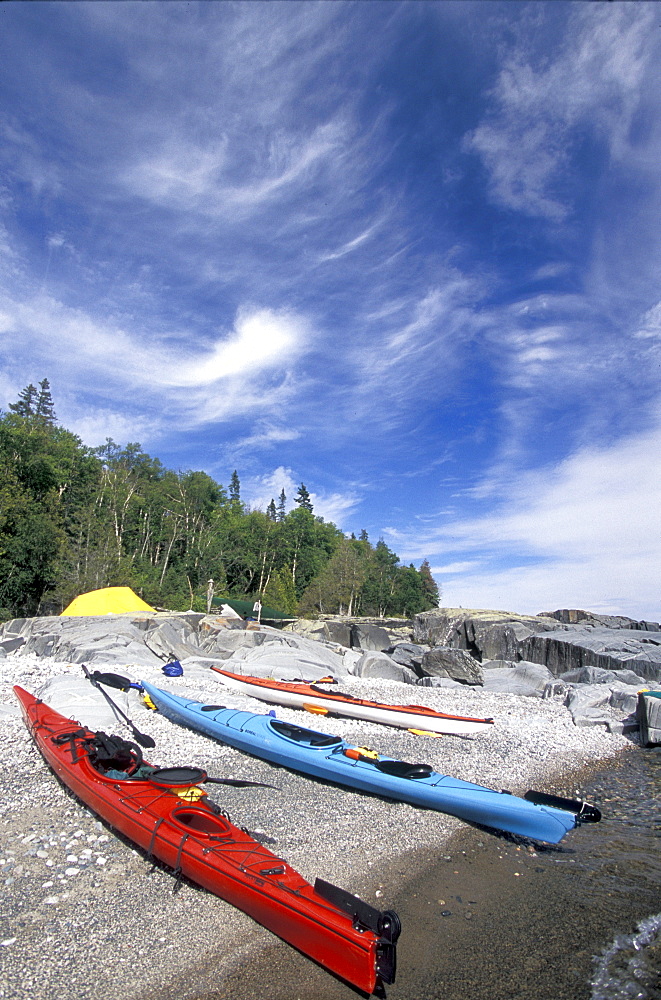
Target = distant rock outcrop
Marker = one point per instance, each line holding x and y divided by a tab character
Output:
487	635
572	616
585	646
559	646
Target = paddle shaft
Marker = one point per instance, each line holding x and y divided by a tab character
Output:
141	738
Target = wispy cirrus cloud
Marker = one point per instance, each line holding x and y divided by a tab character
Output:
245	369
543	109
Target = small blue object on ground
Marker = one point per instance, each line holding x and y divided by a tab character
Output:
173	669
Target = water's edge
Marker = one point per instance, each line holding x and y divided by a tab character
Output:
498	918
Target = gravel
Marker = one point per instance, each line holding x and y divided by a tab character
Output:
85	916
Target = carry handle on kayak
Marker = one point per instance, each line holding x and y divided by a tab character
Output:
584	811
385	923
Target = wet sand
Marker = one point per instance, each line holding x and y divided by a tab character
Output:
496	918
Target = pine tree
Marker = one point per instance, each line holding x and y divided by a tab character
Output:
302	498
282	505
235	491
271	512
44	406
25	404
429	586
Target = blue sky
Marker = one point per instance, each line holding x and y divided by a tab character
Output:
405	253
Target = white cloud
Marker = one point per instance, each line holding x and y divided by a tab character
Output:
584	533
94	425
245	370
334	507
650	326
351	245
593	82
261	339
193	178
260	491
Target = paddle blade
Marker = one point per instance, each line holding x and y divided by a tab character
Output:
145	741
112	680
240	783
425	732
315	709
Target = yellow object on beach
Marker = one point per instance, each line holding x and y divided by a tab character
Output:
108	601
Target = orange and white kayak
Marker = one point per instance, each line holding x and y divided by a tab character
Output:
322	701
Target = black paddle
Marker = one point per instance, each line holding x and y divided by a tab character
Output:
173	777
141	738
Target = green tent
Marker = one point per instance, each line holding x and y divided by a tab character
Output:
246	609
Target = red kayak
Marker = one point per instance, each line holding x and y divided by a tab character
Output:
166	813
324	701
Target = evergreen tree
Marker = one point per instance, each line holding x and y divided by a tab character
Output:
282	505
302	498
44	406
25	404
430	588
271	512
363	537
235	489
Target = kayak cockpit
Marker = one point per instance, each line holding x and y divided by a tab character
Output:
304	737
202	822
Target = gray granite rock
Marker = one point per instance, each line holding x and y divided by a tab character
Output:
527	679
225	642
338	631
577	647
76	698
10	644
378	664
458	664
440	682
648	713
173	639
488	635
370	637
612	706
408	654
597	675
573	616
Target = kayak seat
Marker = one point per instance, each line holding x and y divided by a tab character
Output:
401	769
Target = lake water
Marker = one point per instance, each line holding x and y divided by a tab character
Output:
579	921
496	918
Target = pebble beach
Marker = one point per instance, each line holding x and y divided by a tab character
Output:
85	916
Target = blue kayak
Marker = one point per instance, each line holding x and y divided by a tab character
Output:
536	815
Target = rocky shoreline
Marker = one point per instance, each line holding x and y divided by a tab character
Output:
84	915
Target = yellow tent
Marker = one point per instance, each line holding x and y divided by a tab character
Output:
109	601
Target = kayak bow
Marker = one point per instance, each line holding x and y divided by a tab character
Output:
320	701
536	815
173	821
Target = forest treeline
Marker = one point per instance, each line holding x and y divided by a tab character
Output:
75	519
